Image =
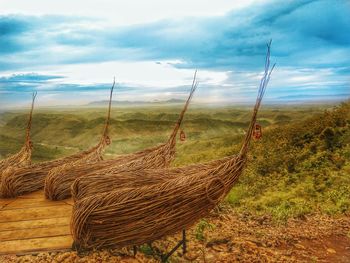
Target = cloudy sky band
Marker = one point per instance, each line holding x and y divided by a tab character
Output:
153	55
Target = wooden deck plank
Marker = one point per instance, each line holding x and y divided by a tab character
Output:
30	203
69	201
5	202
35	213
29	224
18	234
35	195
32	224
35	244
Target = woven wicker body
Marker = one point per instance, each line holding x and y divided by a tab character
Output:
126	177
23	157
19	159
136	215
58	182
21	180
29	179
55	182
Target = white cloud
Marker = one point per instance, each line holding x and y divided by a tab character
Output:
140	73
121	12
150	77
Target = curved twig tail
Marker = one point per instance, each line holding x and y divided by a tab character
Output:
182	114
29	124
105	130
263	84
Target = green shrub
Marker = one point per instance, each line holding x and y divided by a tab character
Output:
201	227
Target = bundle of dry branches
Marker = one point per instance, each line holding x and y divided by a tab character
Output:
22	180
23	157
56	180
126	177
58	183
136	215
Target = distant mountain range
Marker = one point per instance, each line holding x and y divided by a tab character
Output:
103	103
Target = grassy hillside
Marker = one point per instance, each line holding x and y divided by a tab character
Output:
300	166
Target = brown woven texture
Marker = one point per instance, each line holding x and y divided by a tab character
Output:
126	177
23	180
58	182
23	157
136	215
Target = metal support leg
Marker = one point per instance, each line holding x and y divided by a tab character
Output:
184	244
181	243
80	252
74	246
135	250
150	246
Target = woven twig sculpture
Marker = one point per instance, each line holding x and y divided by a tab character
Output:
136	215
127	177
18	181
28	179
57	180
23	157
58	183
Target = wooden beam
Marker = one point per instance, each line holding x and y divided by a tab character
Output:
30	203
35	213
19	234
35	244
30	224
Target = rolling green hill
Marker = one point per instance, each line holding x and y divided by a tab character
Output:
57	132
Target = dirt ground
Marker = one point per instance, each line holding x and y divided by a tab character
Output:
229	237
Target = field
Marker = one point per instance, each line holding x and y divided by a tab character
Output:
57	133
299	170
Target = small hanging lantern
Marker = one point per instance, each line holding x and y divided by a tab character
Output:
257	132
108	140
30	144
182	136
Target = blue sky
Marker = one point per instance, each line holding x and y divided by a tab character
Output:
69	51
